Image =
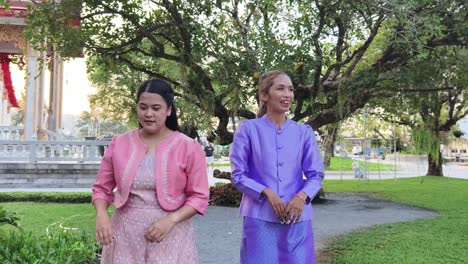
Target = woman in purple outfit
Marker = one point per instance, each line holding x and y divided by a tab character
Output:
270	156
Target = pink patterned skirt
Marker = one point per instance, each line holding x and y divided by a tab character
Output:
130	222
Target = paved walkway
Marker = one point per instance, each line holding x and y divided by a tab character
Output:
219	231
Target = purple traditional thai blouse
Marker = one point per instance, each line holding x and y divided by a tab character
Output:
287	160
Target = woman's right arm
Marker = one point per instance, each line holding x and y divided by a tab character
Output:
105	181
239	154
104	232
103	197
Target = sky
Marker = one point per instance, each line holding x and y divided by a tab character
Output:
464	126
76	86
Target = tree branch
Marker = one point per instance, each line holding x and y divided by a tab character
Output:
140	28
318	50
358	55
184	33
143	69
247	114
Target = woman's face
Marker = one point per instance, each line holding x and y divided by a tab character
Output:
152	112
280	95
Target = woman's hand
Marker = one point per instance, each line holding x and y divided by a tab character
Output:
276	203
104	233
295	207
159	229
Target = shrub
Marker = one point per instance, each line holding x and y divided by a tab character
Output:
7	218
320	197
225	195
458	133
222	174
60	247
46	197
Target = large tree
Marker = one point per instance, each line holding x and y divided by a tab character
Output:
213	51
431	96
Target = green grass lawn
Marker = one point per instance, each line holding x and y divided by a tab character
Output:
440	240
224	164
346	165
39	217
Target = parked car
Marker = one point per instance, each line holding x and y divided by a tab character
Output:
357	150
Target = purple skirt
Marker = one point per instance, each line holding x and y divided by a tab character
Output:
268	242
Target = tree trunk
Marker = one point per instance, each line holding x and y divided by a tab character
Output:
329	144
434	168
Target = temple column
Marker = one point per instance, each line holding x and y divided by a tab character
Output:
55	96
59	92
2	113
34	95
40	97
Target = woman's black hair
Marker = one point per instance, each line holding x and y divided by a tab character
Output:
164	89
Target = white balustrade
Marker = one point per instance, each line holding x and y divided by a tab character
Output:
10	132
51	150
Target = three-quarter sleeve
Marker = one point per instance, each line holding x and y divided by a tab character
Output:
197	189
239	155
312	165
105	181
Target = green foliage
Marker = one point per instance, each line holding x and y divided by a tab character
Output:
9	218
45	197
54	248
458	133
60	20
430	97
212	52
426	142
116	85
219	184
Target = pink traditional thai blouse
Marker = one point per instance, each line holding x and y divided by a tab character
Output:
180	169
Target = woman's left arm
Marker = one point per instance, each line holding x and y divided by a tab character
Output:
197	192
312	165
159	229
197	189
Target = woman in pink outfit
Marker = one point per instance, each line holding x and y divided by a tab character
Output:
156	177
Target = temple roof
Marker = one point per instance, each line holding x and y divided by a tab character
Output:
15	9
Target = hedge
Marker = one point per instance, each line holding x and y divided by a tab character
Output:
46	197
220	195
